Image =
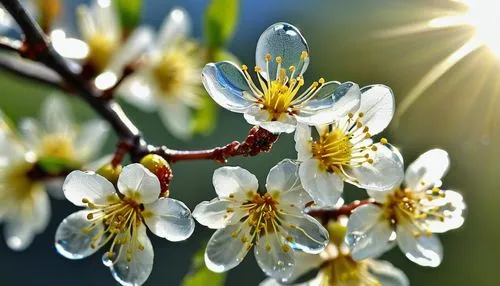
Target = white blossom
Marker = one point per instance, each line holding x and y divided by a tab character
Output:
409	214
169	79
344	150
24	204
273	222
275	101
119	220
336	266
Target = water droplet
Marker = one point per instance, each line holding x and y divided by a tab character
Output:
106	260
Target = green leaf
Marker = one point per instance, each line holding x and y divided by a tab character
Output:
55	165
200	275
221	18
130	13
205	116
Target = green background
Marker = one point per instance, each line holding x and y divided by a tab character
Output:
458	113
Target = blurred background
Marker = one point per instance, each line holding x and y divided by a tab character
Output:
364	41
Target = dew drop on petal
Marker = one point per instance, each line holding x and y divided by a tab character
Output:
106	260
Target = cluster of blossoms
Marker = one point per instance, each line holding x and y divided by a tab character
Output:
334	125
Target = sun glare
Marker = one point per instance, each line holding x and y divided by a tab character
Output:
484	16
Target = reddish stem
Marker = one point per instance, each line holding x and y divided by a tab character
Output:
258	140
334	214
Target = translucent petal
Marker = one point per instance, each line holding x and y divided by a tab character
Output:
91	139
272	258
324	187
386	172
232	180
89	185
305	263
224	252
427	169
137	182
387	274
307	233
377	104
56	116
331	102
176	117
19	233
283	177
177	25
368	233
136	271
215	215
303	141
424	250
40	212
169	218
285	41
451	206
257	116
71	241
227	86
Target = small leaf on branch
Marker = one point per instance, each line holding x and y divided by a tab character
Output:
200	275
130	13
221	18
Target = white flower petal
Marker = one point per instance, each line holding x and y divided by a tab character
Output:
324	187
137	90
377	105
423	250
303	142
385	173
224	252
227	86
272	258
379	196
283	177
32	133
451	206
71	241
89	185
332	101
232	180
257	116
308	235
176	117
19	233
136	44
56	116
169	218
91	139
85	22
427	169
387	274
177	25
285	41
136	271
215	214
137	182
304	263
40	213
368	233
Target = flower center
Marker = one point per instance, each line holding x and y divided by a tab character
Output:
18	185
101	48
405	205
343	145
57	145
171	72
121	219
343	270
280	96
264	217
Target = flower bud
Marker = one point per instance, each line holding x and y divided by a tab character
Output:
110	172
160	167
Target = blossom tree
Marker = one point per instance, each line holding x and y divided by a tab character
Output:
297	224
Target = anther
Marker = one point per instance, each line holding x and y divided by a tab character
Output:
303	55
85	201
90	216
268	57
279	60
350	115
244	67
321	80
257	69
383	141
291	68
361	114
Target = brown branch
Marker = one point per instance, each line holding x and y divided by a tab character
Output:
333	214
258	140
